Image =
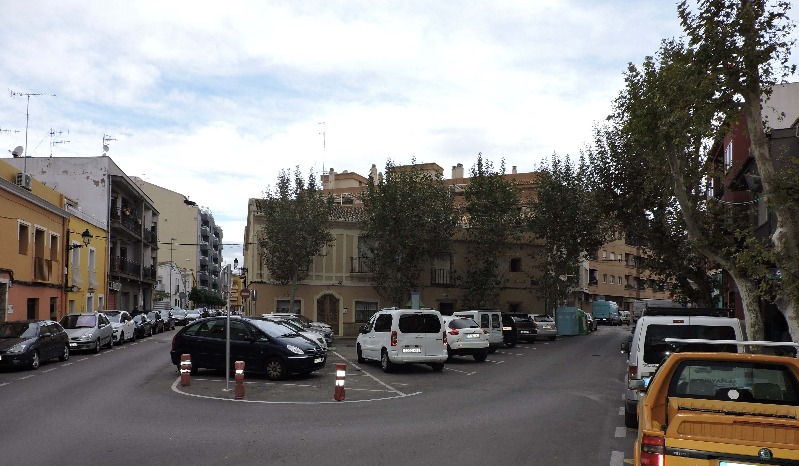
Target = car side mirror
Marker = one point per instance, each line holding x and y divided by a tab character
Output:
638	385
363	329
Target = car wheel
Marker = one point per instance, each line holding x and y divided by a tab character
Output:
449	353
510	345
437	366
385	362
121	338
64	354
111	342
97	346
551	338
36	361
133	338
275	370
360	355
480	357
630	419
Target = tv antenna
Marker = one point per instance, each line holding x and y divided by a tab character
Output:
53	134
324	143
27	110
9	130
106	140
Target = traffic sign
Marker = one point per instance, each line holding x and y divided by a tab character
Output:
244	293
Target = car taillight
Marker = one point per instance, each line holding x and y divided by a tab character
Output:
632	372
445	336
535	325
453	331
393	338
652	450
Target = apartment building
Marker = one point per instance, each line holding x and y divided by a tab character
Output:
189	238
106	195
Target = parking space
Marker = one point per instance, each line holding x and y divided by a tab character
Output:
363	382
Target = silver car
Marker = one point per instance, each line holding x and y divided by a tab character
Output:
465	337
547	328
88	331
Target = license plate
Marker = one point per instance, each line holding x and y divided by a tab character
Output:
411	350
72	345
318	360
473	335
524	331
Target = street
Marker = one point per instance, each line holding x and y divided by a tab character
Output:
548	403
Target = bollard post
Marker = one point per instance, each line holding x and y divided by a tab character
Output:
185	370
340	373
239	391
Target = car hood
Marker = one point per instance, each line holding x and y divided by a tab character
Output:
6	343
78	332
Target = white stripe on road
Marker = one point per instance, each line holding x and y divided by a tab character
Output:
456	370
621	432
370	375
50	370
616	458
621	410
26	377
4	384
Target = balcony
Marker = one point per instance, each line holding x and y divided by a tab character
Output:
125	266
361	264
93	283
442	277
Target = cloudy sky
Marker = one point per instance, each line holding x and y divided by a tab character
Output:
213	99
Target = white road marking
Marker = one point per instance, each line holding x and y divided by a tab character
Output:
357	367
4	384
462	372
79	360
50	370
26	377
616	458
621	432
621	410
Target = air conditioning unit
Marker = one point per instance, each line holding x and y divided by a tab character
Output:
24	180
115	286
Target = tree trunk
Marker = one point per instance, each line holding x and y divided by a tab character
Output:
751	308
293	292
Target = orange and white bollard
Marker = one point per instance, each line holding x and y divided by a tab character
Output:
340	373
239	392
185	370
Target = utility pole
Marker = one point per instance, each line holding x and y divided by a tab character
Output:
171	266
27	120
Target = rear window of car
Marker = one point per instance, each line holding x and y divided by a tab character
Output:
656	349
207	328
543	318
462	323
419	323
735	381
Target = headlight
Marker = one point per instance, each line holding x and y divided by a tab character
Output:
294	349
19	347
85	336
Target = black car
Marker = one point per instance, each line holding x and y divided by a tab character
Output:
510	335
144	326
526	329
169	319
27	343
180	316
264	346
157	321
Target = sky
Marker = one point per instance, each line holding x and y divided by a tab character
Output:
214	99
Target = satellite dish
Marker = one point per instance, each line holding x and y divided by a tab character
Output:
17	151
105	147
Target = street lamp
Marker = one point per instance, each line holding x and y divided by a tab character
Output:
86	236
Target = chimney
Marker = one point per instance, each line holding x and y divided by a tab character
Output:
457	171
373	173
513	170
331	179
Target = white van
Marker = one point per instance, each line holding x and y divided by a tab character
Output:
648	347
491	322
401	336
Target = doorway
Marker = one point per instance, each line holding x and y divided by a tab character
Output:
327	310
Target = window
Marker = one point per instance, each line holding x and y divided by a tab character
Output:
54	247
383	323
749	382
604	254
238	331
419	323
516	264
618	279
656	349
283	306
604	278
612	256
612	279
728	157
364	310
24	237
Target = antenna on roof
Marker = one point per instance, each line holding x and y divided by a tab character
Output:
324	142
106	140
60	141
27	120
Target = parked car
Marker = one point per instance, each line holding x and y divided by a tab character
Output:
510	333
156	320
180	316
321	327
526	329
123	326
592	326
264	346
28	343
545	326
491	322
402	336
716	408
88	331
192	315
168	318
624	317
648	347
294	326
144	327
465	337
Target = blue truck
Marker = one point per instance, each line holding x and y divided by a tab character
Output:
606	312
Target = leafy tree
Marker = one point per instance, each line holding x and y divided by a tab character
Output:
685	96
296	216
564	215
408	220
205	298
491	212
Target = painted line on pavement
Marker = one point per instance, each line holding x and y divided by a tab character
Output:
4	384
621	410
49	370
462	372
616	458
368	374
26	377
621	432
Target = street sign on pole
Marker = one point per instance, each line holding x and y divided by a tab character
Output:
244	293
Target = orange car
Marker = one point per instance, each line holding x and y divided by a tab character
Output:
720	409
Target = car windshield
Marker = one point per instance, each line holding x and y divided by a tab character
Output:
18	329
463	323
114	317
79	321
750	382
139	318
656	349
292	325
151	315
543	318
176	313
273	329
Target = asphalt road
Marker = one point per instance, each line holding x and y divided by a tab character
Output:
550	403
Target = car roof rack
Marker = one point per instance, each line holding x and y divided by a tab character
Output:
689	311
687	341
